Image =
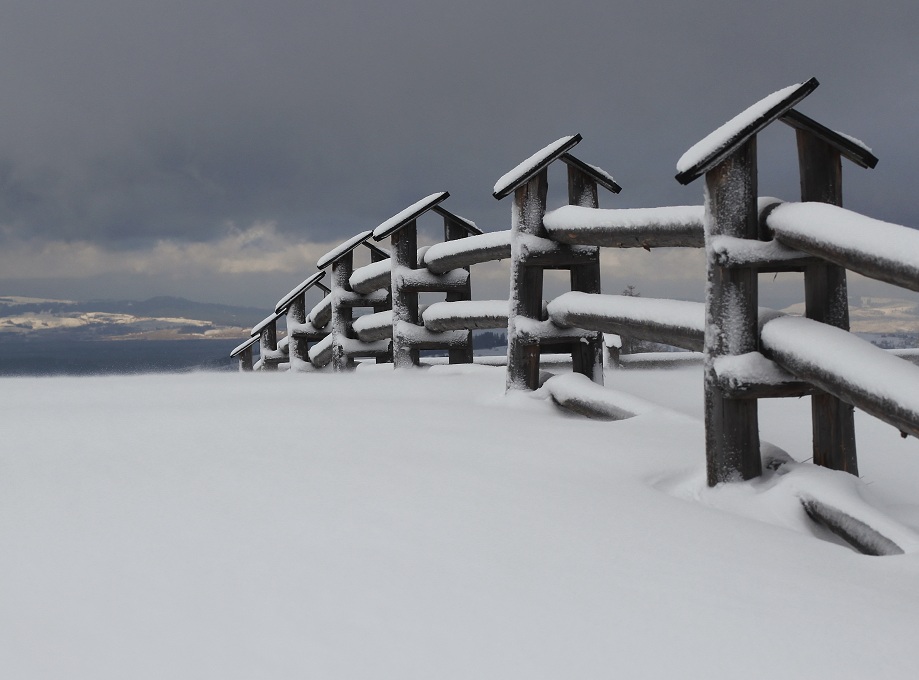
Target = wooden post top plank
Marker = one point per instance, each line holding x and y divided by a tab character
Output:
847	147
288	299
340	251
598	175
409	214
267	321
244	346
533	165
718	145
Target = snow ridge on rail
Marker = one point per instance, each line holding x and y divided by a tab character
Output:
464	252
678	226
466	314
672	322
847	367
880	250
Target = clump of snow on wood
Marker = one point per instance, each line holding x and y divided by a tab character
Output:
521	170
854	140
418	206
534	330
730	250
752	367
720	138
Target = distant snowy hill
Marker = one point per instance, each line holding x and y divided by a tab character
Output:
887	322
159	318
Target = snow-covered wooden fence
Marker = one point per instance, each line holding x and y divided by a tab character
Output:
749	353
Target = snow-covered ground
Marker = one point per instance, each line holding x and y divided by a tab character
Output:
378	525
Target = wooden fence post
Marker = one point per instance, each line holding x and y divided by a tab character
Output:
378	255
526	281
454	230
268	344
731	425
298	347
827	300
587	358
342	315
404	302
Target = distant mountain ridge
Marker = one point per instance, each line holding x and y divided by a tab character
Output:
157	318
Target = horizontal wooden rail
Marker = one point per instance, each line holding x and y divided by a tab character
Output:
464	252
671	322
879	250
372	327
847	367
321	314
466	314
678	226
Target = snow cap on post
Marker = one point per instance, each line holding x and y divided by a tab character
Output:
413	212
848	147
286	301
598	175
264	323
340	251
529	168
710	151
244	346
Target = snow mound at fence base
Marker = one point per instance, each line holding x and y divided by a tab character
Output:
282	525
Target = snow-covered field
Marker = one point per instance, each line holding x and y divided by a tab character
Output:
378	525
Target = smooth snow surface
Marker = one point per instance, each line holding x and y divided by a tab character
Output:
421	524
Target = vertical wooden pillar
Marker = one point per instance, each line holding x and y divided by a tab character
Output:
268	342
526	282
341	331
827	301
377	255
297	347
586	358
464	354
245	359
731	425
404	304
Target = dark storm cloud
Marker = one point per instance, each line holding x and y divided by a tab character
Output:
124	122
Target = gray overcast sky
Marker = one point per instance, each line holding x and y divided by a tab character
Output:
214	148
